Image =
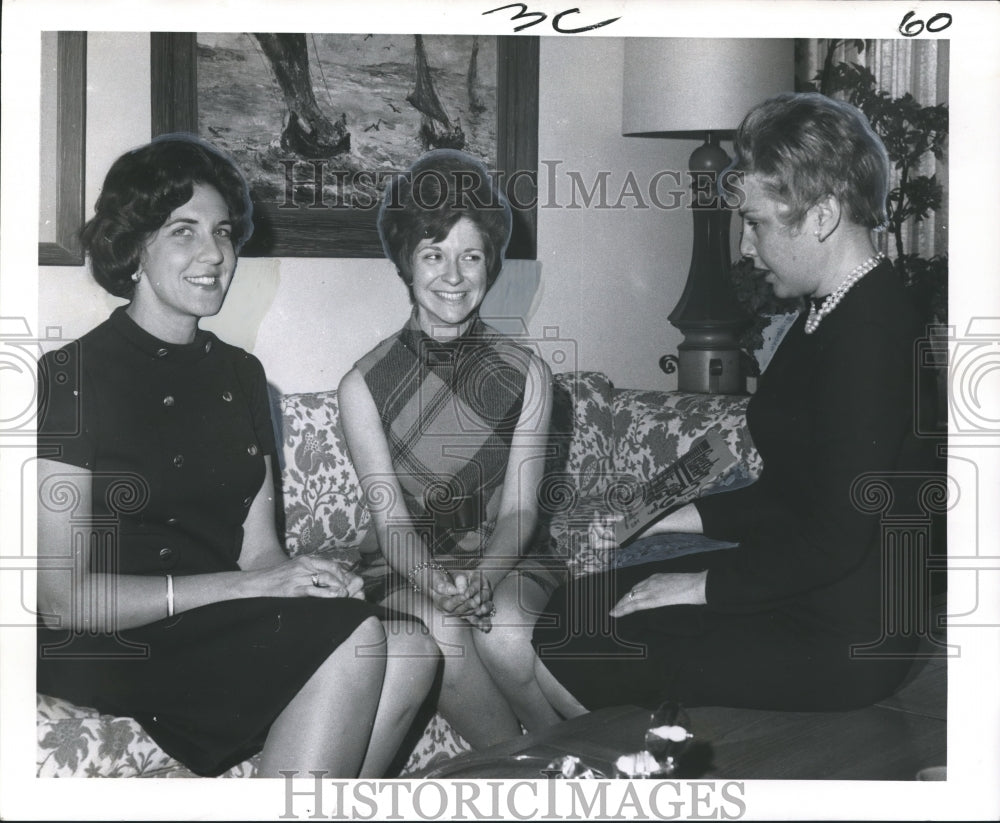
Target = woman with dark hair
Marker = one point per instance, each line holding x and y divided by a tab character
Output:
447	425
164	592
774	622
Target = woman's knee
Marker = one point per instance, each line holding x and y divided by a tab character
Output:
512	621
369	635
507	648
360	658
411	640
452	635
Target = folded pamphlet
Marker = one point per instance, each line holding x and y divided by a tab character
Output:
679	483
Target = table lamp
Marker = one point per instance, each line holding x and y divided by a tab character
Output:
699	89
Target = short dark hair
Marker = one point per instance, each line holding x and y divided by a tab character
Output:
140	191
426	202
807	146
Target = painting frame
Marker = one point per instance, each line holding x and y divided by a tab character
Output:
352	232
70	151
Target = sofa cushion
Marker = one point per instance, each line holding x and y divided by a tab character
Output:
581	413
652	429
324	506
76	741
438	744
577	474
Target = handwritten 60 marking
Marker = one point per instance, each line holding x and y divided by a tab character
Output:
540	16
911	28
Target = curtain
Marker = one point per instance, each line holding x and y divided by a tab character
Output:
919	67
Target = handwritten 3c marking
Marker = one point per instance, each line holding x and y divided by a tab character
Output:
540	16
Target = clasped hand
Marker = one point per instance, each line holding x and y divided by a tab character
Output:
309	576
469	595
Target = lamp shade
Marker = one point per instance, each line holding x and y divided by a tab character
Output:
685	87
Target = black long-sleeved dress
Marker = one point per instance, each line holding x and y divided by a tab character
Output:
805	586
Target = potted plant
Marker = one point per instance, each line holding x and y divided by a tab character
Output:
909	131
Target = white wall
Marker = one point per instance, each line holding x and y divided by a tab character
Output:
608	277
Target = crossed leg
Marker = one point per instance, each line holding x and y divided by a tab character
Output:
411	662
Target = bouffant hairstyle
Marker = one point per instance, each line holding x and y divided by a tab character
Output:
140	191
807	146
426	202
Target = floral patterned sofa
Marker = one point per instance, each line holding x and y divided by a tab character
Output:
605	439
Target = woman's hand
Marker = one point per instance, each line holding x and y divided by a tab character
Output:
477	589
468	595
442	591
663	589
307	576
448	594
601	533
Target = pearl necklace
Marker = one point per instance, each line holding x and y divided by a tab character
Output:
832	299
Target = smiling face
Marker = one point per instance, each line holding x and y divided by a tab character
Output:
787	253
449	280
187	266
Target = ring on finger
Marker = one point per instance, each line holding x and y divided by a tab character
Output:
631	595
315	580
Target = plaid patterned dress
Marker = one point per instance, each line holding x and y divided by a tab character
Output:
449	410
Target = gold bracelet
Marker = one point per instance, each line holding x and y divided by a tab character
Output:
170	595
411	575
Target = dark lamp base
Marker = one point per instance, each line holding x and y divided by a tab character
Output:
714	371
708	313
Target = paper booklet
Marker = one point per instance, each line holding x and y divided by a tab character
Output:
676	485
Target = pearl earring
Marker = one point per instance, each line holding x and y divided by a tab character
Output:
137	275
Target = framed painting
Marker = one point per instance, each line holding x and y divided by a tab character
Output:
63	147
318	122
